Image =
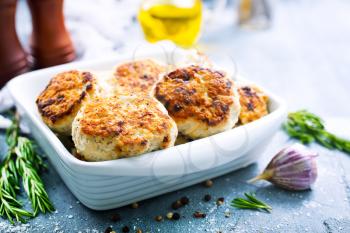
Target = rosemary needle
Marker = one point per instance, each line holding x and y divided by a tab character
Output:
307	127
251	202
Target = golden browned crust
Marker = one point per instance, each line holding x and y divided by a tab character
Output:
112	117
253	104
195	92
63	94
138	76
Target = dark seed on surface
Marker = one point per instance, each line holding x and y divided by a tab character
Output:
184	200
169	215
207	198
125	229
176	216
115	217
199	214
158	218
135	205
108	230
176	205
208	183
220	201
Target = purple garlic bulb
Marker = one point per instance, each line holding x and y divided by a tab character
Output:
293	168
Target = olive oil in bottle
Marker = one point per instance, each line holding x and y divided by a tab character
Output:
175	20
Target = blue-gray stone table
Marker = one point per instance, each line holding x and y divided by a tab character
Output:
304	58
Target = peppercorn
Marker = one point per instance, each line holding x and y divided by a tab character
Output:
115	217
184	200
108	230
135	205
208	183
176	216
158	218
125	229
207	198
199	214
176	205
169	215
220	201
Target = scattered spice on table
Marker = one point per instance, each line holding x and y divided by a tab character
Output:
135	205
126	229
184	200
176	216
208	183
108	230
207	198
180	203
199	214
220	201
169	215
159	218
176	205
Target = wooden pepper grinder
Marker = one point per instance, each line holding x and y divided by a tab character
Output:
50	41
13	59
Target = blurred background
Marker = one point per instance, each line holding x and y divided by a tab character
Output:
101	27
281	44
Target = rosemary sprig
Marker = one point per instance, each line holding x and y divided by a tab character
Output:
9	186
27	164
21	161
251	202
307	127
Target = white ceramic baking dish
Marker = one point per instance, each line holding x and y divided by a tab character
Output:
110	184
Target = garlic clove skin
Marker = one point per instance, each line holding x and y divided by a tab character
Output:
293	168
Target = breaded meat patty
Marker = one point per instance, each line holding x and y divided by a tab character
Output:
122	126
60	101
254	103
137	76
202	101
